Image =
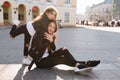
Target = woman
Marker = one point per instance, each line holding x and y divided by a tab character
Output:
45	56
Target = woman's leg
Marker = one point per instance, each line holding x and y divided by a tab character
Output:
12	29
61	56
17	31
23	30
66	57
27	39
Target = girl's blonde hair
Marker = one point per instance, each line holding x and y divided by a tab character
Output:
49	9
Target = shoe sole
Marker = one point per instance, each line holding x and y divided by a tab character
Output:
88	69
84	70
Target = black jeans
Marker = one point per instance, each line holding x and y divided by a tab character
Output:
61	56
27	37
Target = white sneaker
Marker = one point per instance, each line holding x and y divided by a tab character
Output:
16	22
76	69
26	61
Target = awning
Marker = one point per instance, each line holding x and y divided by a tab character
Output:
35	8
6	4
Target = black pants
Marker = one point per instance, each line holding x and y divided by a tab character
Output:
61	56
23	30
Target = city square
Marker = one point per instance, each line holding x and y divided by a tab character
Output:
84	43
88	29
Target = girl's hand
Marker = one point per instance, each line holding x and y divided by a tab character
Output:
49	37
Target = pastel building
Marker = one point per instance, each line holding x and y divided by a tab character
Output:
116	9
100	12
27	10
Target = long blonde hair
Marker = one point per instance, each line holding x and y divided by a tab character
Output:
49	9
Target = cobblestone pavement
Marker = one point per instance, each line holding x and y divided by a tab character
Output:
84	43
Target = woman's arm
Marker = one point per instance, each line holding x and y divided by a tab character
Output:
51	40
52	46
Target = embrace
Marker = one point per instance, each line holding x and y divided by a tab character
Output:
43	51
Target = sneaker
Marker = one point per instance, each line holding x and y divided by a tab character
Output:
16	22
93	63
26	61
80	68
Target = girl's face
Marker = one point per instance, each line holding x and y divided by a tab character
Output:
51	15
51	28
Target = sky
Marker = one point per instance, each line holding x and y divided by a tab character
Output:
82	4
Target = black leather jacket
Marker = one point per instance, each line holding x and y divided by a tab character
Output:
39	46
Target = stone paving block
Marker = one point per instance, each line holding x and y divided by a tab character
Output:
105	74
85	76
105	66
9	71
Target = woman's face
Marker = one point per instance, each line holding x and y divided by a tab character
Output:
51	28
51	15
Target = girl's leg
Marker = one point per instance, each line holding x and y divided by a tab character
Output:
27	39
17	31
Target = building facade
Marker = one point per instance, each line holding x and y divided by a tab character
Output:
116	9
100	12
27	10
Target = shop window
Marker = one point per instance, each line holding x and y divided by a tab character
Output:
67	1
48	1
21	16
5	15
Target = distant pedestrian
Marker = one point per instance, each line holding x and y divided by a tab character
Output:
116	23
112	23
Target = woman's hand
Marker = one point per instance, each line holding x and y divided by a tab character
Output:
49	37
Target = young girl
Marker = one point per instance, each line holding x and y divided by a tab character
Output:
47	56
29	29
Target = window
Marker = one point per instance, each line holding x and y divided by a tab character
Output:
67	1
21	16
48	1
107	10
66	17
5	15
34	16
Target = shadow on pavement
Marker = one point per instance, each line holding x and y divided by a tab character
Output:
40	74
50	74
20	73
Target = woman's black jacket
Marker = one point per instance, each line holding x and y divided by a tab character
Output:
39	45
